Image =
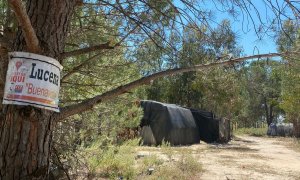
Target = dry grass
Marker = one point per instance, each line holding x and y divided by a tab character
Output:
170	163
189	162
131	161
293	143
261	168
186	167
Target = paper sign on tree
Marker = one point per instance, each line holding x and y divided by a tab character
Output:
32	79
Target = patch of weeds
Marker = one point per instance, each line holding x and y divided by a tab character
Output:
114	161
258	132
152	161
189	165
261	168
184	150
146	163
185	168
167	149
166	172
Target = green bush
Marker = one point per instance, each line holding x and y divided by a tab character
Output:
114	161
251	131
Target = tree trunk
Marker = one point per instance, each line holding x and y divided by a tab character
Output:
271	114
267	112
25	131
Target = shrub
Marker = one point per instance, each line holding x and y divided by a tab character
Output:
251	131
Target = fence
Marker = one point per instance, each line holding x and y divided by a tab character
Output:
237	125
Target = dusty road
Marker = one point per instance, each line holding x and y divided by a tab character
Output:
250	158
244	158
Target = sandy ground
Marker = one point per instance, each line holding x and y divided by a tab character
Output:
244	158
250	158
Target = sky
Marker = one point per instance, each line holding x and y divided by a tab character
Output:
247	38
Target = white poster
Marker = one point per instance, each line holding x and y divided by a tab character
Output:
32	79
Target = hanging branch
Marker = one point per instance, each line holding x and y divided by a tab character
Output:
91	102
31	39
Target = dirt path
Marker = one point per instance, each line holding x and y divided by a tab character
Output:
249	158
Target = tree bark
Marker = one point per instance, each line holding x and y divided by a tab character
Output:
271	114
25	131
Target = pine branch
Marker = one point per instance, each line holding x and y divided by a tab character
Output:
88	104
31	39
78	67
78	52
96	47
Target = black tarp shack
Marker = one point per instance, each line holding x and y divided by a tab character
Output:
207	124
181	126
169	123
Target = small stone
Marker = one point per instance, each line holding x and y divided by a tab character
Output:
150	170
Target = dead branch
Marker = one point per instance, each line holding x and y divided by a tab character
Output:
294	9
97	47
78	52
91	102
31	39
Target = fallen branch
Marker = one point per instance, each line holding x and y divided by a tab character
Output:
31	39
91	102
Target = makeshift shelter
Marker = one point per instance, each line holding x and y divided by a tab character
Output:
180	126
208	126
280	129
168	122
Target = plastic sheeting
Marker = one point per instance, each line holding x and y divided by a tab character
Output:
177	125
207	124
280	129
169	123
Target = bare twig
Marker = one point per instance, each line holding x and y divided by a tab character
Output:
294	9
60	163
31	39
91	102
